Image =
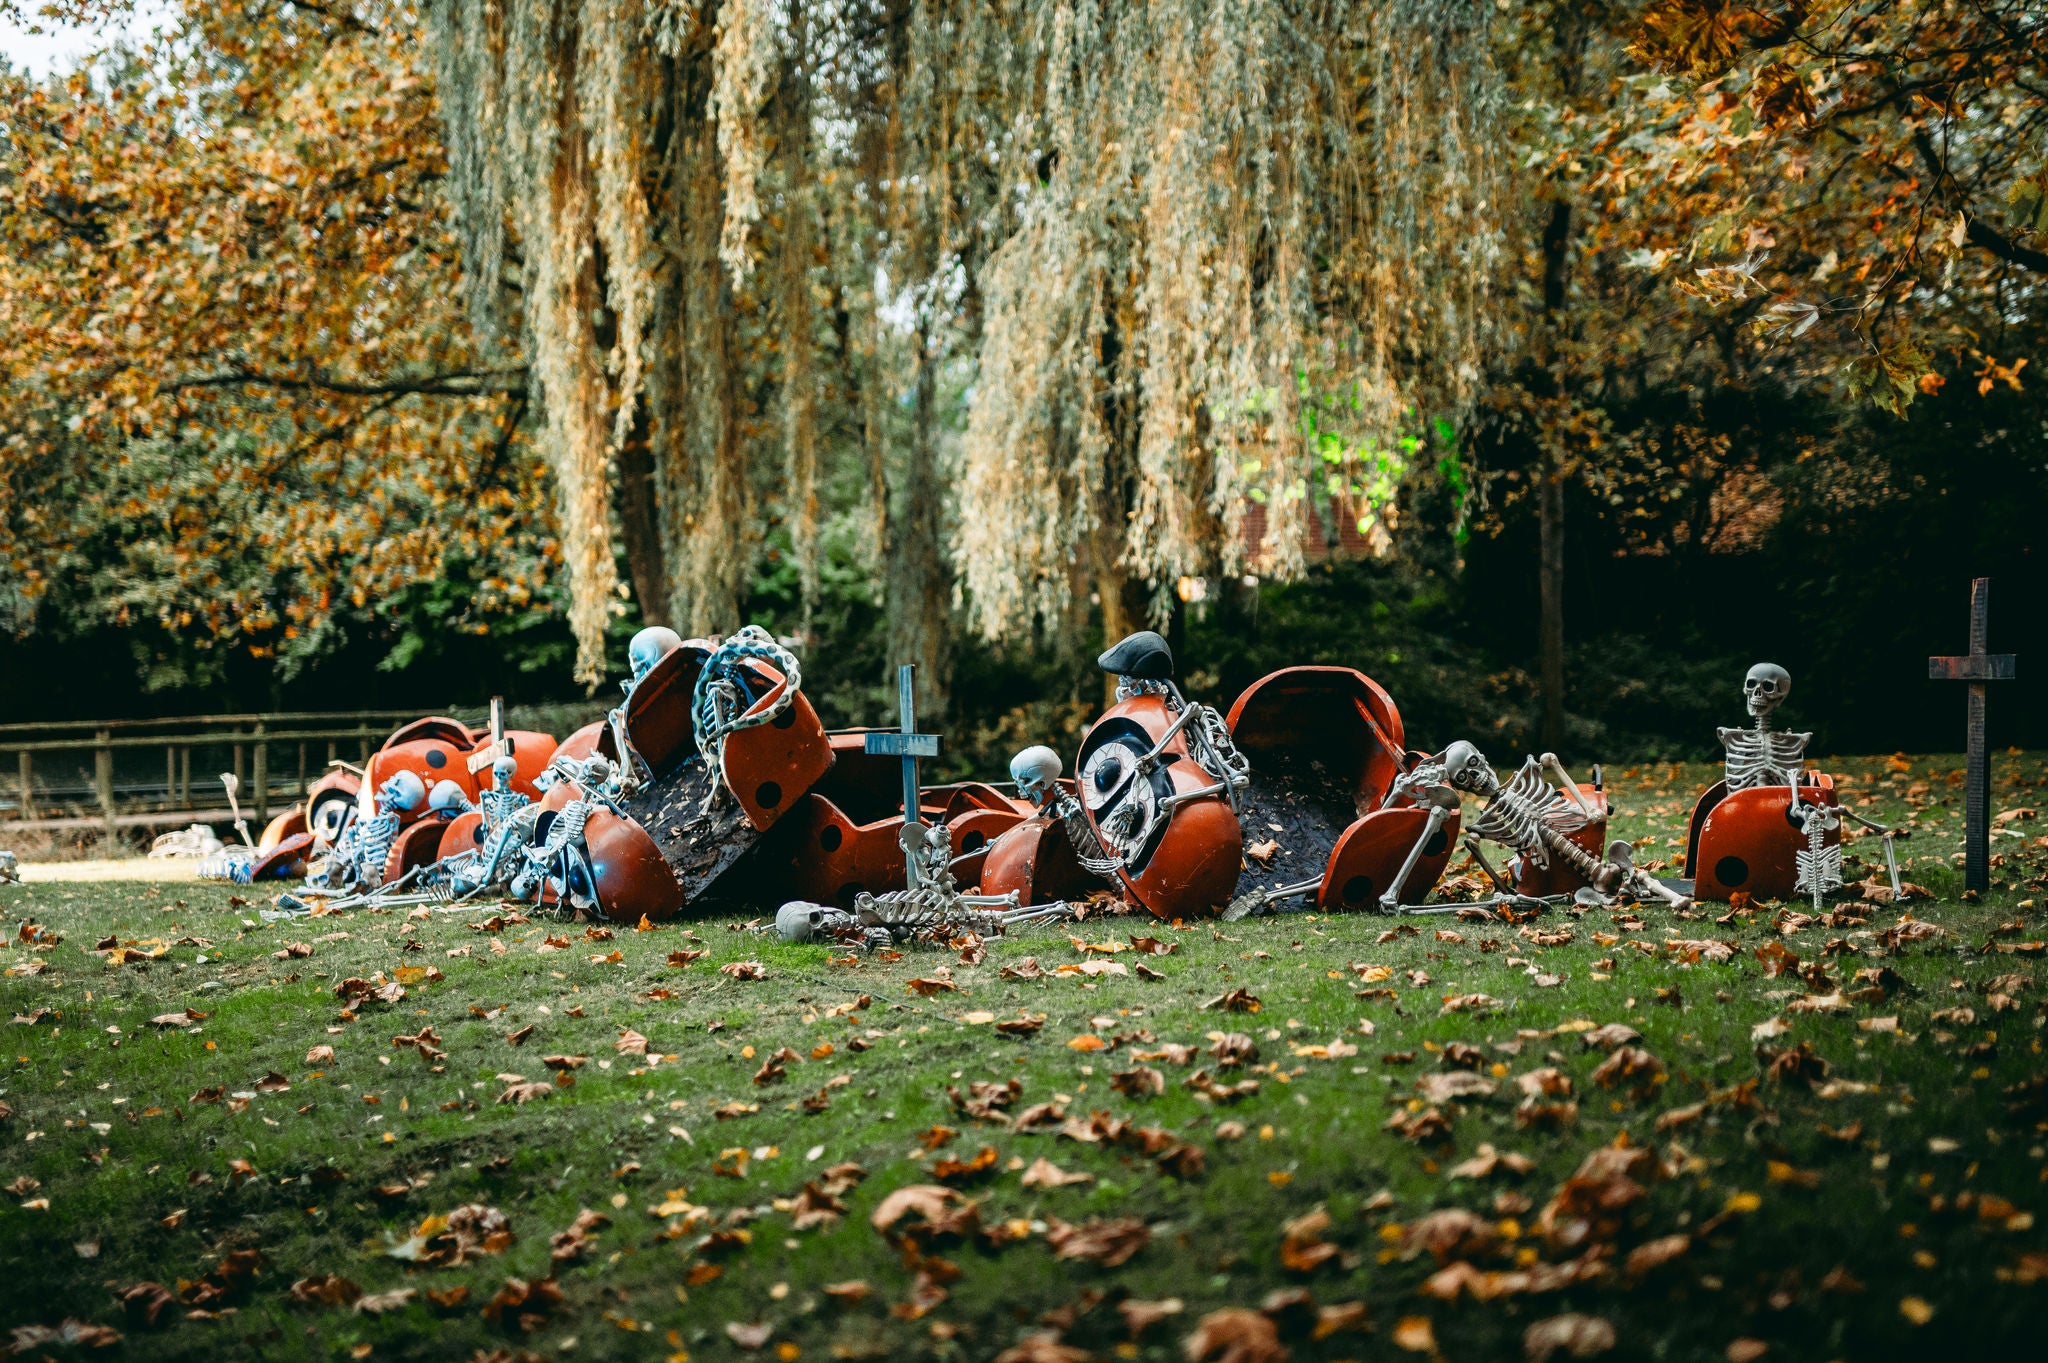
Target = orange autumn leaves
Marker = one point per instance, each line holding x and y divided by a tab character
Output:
239	397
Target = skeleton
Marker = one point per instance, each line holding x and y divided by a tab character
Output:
1532	818
1037	773
932	907
10	869
509	818
365	844
1763	756
559	862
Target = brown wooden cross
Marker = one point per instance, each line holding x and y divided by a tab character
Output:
1977	668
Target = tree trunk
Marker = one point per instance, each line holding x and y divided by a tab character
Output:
1550	499
1550	553
918	588
640	521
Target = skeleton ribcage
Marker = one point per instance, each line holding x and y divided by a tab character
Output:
373	848
1522	806
500	805
1766	758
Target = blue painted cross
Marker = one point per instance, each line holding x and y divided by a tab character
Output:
909	745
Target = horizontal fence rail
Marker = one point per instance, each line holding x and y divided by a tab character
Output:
76	775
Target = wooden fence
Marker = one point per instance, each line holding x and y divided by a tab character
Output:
101	773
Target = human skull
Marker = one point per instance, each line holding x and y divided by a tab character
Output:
800	921
650	646
403	792
1036	771
502	772
1468	770
1765	688
447	799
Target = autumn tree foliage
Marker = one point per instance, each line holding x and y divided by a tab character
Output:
1022	317
237	396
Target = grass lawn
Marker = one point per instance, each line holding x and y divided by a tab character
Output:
1381	1163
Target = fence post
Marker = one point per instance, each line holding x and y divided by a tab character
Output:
185	776
170	777
28	784
103	773
241	774
302	771
261	778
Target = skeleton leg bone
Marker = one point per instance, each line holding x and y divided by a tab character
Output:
1258	901
1554	769
1475	849
1891	856
1390	902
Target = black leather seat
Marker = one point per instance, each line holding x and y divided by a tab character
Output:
1143	655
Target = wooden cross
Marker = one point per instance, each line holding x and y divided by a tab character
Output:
1977	668
909	745
493	750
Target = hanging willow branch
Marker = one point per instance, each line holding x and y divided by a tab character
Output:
1197	256
1230	211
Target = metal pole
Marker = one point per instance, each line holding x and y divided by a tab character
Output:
103	773
262	778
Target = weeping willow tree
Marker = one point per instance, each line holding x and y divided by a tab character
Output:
1226	212
1066	286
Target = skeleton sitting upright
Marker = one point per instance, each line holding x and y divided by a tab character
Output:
507	823
1763	756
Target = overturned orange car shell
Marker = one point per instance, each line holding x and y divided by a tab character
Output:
1747	841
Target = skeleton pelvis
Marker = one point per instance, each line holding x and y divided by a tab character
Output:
1747	842
1560	876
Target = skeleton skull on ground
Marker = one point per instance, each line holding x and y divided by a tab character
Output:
448	799
800	920
1765	688
1036	771
1468	770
